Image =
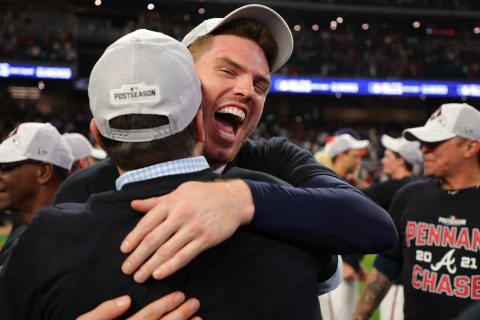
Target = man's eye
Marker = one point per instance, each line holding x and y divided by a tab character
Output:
260	88
226	71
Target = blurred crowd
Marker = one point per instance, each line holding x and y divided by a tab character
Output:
438	4
29	35
385	50
363	47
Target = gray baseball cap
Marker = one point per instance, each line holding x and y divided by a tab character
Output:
82	148
36	141
408	150
144	72
263	14
344	142
448	121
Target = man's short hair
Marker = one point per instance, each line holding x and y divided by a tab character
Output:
462	140
59	173
136	155
244	28
408	165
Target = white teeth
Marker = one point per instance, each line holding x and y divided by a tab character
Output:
233	111
226	134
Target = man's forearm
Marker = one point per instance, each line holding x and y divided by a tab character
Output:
375	289
336	220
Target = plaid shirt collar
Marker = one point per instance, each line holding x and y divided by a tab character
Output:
186	165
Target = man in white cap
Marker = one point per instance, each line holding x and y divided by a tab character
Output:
344	151
438	223
234	57
84	154
150	122
402	162
34	161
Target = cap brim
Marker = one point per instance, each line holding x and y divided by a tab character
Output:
390	143
263	14
360	144
98	154
427	134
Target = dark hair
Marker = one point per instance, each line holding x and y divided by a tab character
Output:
59	173
136	155
245	28
408	165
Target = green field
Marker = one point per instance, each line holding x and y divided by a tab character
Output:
3	237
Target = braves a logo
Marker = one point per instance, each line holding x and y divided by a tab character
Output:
14	136
437	115
448	261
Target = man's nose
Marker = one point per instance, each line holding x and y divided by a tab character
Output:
244	88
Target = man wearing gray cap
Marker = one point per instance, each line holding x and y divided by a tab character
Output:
437	222
83	152
149	121
34	161
402	158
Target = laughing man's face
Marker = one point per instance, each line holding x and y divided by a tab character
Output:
235	80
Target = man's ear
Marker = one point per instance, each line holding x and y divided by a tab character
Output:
199	133
473	148
96	133
44	172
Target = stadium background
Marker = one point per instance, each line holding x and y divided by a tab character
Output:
48	48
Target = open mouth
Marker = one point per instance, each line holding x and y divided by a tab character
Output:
229	120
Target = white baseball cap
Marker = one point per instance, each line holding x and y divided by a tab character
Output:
448	121
144	72
408	150
344	142
36	141
260	13
82	148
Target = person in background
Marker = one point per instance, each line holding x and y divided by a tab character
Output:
83	152
438	223
34	162
402	162
344	151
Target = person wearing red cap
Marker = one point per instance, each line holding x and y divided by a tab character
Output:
438	225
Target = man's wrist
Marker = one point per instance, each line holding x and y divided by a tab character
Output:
239	190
